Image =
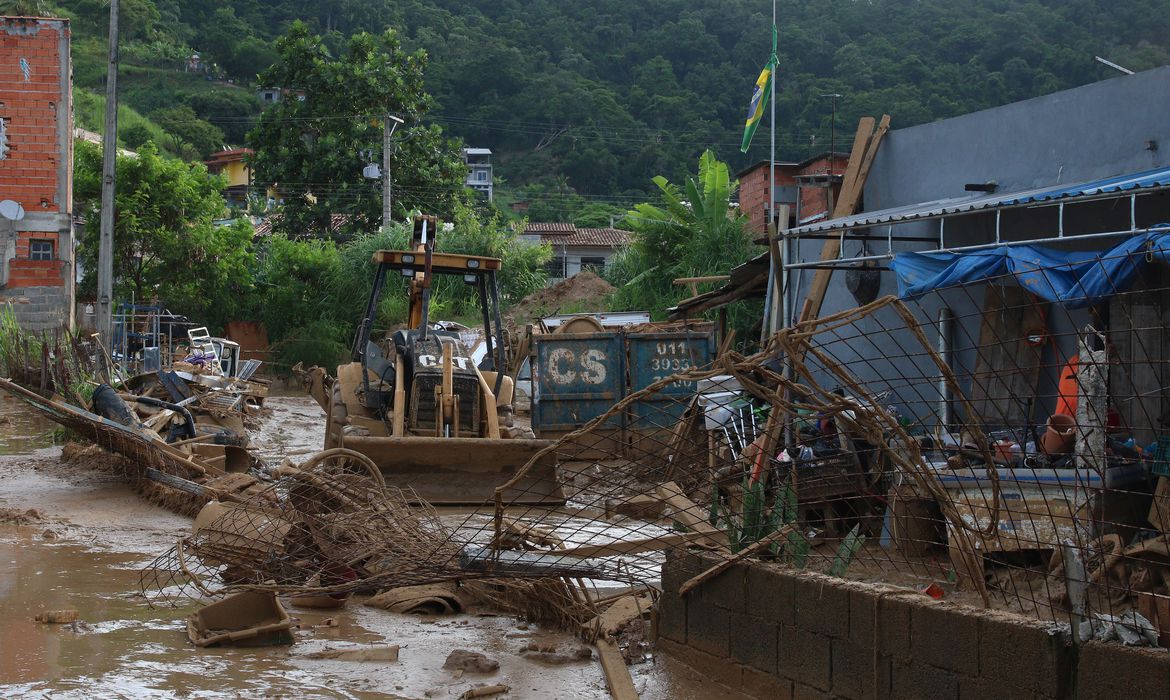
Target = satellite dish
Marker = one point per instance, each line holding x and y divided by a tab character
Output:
11	210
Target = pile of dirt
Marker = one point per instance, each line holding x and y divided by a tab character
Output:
584	291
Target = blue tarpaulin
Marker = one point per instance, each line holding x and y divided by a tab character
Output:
1074	279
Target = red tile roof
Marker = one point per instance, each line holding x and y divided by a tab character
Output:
558	234
264	228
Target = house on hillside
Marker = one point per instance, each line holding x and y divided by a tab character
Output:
231	164
576	249
479	170
36	172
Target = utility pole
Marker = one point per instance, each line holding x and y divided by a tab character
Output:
389	124
833	129
105	271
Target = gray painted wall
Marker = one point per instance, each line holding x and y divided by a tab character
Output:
1095	131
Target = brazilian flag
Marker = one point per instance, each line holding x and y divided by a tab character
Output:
763	90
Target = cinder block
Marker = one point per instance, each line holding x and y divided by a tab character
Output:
765	686
679	566
708	627
880	619
945	638
1107	670
918	681
672	618
805	657
770	593
985	688
853	671
801	691
821	606
727	590
753	642
721	674
1025	655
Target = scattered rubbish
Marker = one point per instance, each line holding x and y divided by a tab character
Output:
1131	629
617	674
242	619
57	617
470	662
484	691
551	653
934	591
386	653
437	599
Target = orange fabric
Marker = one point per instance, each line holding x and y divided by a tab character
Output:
1066	403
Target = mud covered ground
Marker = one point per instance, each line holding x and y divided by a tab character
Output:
73	535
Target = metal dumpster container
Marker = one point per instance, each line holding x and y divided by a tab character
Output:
577	377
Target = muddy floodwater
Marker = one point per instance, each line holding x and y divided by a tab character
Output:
83	535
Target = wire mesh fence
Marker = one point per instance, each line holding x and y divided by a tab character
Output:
976	443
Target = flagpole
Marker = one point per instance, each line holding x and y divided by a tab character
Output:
781	283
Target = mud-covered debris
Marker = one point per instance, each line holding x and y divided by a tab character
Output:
470	662
437	599
551	653
12	516
57	617
483	691
388	652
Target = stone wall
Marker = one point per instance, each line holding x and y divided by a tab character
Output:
772	633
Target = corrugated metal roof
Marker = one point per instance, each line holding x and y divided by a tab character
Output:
939	208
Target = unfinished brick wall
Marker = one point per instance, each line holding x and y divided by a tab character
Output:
772	633
36	164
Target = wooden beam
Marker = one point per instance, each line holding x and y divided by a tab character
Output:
690	515
726	564
650	544
617	674
851	188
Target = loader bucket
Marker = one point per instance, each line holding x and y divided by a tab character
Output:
463	471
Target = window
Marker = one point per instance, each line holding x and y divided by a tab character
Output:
596	265
556	268
40	250
481	175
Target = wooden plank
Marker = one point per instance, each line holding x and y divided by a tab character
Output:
690	515
856	174
651	544
726	564
617	674
1007	367
620	613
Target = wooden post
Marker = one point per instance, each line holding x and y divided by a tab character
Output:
865	148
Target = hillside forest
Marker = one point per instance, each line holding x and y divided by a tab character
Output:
584	102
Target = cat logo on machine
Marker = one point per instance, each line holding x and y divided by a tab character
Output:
432	361
566	367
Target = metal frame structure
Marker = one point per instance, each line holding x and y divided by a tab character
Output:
1125	187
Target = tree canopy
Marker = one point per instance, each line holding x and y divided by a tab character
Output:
593	99
167	245
313	144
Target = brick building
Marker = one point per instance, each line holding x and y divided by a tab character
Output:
36	171
809	188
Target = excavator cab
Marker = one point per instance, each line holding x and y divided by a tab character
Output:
417	402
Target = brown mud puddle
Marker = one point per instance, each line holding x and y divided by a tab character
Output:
93	535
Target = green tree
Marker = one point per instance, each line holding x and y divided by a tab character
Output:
167	245
313	149
185	127
691	232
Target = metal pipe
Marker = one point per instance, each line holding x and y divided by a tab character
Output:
967	249
946	319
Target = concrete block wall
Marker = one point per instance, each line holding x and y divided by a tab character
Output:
39	308
767	632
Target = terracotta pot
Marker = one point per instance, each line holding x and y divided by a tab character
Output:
1058	438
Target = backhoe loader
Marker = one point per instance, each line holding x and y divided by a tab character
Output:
415	401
